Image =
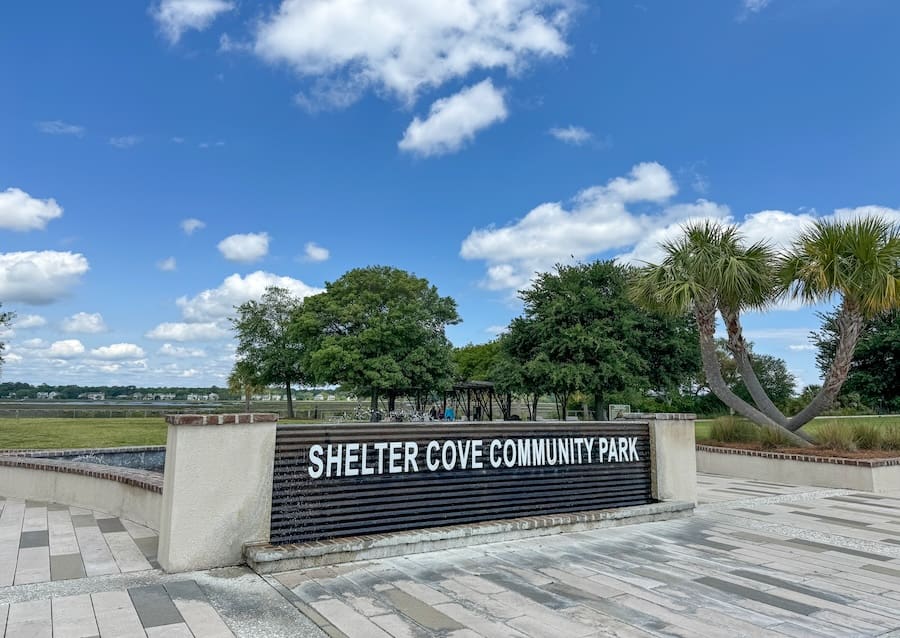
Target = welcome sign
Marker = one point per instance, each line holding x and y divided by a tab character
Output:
358	479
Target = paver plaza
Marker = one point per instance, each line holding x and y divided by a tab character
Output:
757	559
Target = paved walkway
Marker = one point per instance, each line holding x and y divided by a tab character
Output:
758	559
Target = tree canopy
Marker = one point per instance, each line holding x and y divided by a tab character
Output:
270	353
580	332
875	371
380	330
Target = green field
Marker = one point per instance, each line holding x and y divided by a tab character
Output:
47	433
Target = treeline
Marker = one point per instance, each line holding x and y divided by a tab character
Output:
581	341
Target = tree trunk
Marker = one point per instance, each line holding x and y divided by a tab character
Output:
287	385
534	404
850	324
706	322
738	348
598	407
373	406
247	399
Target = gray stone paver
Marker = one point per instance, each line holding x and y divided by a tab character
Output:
757	559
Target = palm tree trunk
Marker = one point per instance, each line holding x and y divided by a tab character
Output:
738	348
850	324
706	322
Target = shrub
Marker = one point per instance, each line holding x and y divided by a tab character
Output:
867	436
836	436
729	429
890	437
771	439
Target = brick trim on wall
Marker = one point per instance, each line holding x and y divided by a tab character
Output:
801	457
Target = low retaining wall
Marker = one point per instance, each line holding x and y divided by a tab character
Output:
129	493
868	475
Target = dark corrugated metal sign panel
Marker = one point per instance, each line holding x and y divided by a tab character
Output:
355	479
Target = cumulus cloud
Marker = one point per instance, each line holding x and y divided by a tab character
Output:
29	321
39	277
168	350
190	225
118	351
20	211
597	220
454	121
83	322
314	252
217	304
125	141
575	135
602	219
174	17
401	47
167	265
58	127
182	331
65	349
801	347
245	248
12	357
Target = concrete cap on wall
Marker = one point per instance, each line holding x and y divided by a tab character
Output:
221	419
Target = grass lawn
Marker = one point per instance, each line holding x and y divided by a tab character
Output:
43	434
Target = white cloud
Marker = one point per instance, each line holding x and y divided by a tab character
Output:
29	321
32	344
597	220
167	265
174	17
88	323
454	120
314	252
65	349
496	330
576	135
245	248
755	6
12	357
58	127
118	351
176	140
190	225
600	219
20	211
401	47
168	350
179	331
217	304
125	141
801	347
39	277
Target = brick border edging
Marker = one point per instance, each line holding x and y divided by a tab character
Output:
54	452
150	481
808	458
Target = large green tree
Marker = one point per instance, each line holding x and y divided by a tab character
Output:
476	362
875	371
265	347
590	337
379	330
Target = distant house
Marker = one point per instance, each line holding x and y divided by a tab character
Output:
96	396
331	397
319	397
47	395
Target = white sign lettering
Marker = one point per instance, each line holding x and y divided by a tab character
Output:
403	457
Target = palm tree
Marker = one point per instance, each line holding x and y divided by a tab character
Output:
708	269
243	380
858	260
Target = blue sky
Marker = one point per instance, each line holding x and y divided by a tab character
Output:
161	162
